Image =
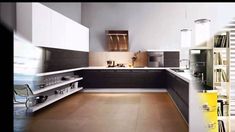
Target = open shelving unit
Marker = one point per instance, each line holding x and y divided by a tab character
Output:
53	98
221	77
57	85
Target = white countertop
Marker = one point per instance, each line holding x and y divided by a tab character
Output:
103	67
186	75
183	75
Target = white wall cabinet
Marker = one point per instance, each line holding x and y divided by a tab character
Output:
45	27
58	22
41	25
76	36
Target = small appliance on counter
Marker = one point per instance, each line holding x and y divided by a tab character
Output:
120	65
157	58
111	63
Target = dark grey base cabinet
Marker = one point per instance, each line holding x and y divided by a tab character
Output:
177	88
179	91
123	78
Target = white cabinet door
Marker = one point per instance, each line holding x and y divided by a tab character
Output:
58	23
77	36
41	25
83	37
71	35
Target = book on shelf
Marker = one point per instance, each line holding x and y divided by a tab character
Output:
218	58
224	76
220	108
220	75
221	126
220	41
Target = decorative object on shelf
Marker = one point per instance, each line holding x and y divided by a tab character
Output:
134	57
206	107
202	32
72	85
42	85
41	99
32	101
65	78
57	91
211	125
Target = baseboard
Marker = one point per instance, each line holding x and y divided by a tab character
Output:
126	90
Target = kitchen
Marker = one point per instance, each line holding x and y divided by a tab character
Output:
122	60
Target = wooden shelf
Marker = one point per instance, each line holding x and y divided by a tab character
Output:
220	48
56	85
223	117
220	66
57	72
53	98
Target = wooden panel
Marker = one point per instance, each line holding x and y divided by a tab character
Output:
117	40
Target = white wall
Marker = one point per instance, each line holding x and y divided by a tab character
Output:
8	14
69	9
151	25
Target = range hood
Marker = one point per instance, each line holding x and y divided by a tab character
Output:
117	40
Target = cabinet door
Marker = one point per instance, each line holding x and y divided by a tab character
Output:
58	23
71	34
41	25
82	37
76	36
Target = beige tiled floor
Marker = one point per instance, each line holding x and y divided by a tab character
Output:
117	112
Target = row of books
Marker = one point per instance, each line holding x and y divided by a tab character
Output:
220	75
218	58
221	126
222	108
221	41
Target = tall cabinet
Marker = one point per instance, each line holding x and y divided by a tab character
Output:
221	78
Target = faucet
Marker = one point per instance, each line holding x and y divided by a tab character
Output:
187	67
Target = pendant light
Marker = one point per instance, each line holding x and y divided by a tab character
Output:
202	32
185	34
185	38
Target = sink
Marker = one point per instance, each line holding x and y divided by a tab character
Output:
178	70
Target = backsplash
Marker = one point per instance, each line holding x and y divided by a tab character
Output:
101	58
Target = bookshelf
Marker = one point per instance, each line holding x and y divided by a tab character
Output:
221	78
